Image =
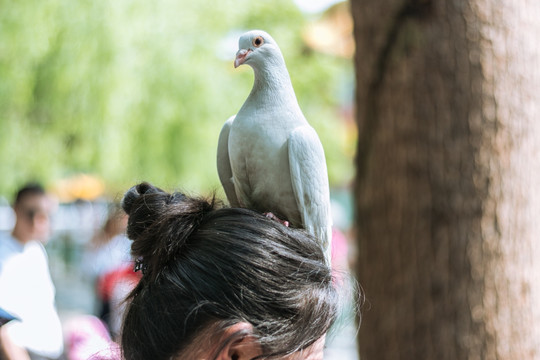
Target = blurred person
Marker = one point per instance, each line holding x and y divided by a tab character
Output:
6	343
109	247
26	288
221	283
108	262
6	317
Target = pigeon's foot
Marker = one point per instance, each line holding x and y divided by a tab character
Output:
274	217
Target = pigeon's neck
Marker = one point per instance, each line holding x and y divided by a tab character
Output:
273	81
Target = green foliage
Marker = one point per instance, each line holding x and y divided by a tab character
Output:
139	90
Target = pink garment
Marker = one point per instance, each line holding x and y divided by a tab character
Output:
339	250
87	337
112	353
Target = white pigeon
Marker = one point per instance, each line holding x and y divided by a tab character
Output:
269	158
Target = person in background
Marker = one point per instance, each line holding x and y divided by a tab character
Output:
108	263
221	283
26	288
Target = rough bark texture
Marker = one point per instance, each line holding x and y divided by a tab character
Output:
448	178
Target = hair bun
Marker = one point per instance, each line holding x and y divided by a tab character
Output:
160	223
133	194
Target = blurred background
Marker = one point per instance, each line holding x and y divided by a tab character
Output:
129	90
98	95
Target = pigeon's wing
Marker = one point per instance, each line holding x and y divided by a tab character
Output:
224	163
309	179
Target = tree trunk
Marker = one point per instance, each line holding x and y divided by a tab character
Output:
448	174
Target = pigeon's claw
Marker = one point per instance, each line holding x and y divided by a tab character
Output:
274	217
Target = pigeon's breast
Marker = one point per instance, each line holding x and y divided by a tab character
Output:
260	166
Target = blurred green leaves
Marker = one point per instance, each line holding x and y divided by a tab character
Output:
139	90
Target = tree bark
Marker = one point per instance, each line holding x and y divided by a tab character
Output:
448	168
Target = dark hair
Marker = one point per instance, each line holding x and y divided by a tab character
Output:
210	265
29	189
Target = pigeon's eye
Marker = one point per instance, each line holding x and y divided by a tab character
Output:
258	41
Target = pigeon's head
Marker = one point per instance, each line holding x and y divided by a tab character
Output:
256	48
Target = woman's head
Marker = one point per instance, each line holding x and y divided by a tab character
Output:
221	282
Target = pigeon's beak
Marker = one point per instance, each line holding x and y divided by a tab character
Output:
241	57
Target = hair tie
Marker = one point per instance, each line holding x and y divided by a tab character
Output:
140	265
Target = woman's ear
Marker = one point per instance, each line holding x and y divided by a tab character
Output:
240	343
